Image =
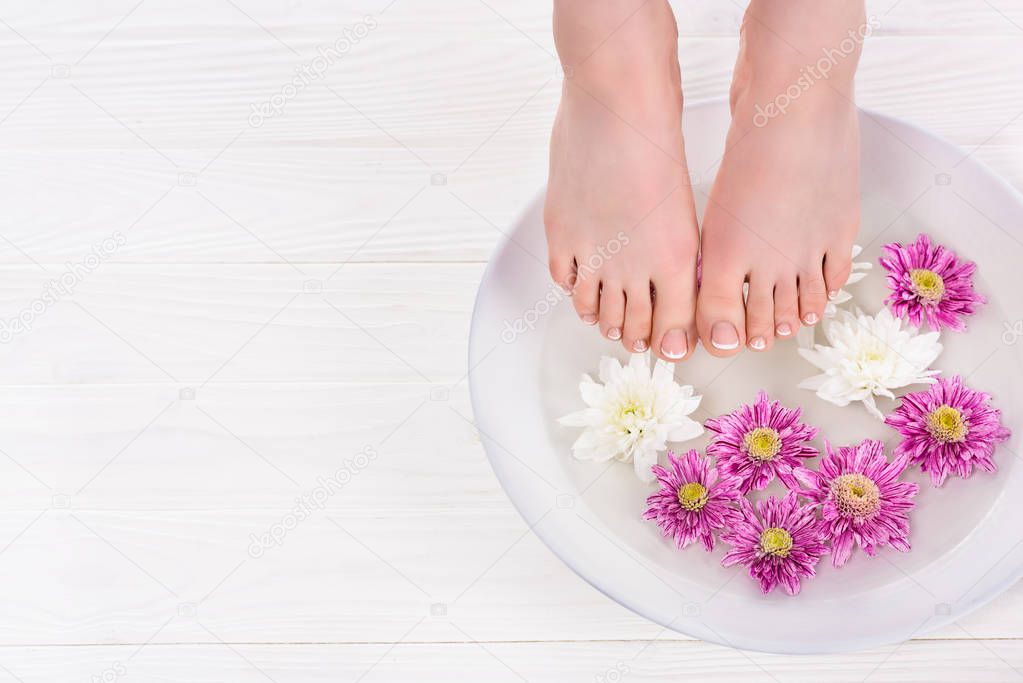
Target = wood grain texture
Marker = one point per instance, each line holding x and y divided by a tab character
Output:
660	661
293	292
109	148
189	324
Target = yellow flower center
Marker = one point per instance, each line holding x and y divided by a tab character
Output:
927	284
631	410
692	496
946	424
632	417
855	495
762	443
872	356
776	541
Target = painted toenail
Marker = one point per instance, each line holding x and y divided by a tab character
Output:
758	344
810	318
590	319
724	337
784	330
614	334
674	345
832	295
639	346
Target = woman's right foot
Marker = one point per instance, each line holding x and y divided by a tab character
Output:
620	219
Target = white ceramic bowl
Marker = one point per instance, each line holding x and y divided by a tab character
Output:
528	351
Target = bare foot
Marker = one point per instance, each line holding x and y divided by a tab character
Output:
620	219
784	210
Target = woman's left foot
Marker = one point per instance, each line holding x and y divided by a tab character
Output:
784	210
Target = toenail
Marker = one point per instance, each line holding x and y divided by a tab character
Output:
614	334
724	337
758	344
810	318
639	346
832	295
674	345
590	319
784	330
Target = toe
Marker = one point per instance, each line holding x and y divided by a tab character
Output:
720	315
786	308
638	308
837	266
586	298
612	310
674	307
812	293
760	314
562	267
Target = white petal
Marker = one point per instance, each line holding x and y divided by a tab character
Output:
871	407
610	370
856	276
639	362
664	372
690	429
591	392
642	464
581	418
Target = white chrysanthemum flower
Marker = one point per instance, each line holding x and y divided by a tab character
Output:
869	356
632	413
805	336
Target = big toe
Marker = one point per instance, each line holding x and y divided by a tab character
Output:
674	331
720	314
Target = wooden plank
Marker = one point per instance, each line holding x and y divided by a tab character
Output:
954	662
191	324
244	447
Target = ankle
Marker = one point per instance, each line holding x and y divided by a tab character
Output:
802	49
618	53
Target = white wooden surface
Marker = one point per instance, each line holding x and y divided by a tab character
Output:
292	294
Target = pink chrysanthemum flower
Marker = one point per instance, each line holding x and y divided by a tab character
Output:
693	501
780	546
759	441
948	429
929	282
862	502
